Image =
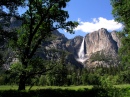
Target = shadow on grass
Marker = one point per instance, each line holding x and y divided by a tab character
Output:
94	92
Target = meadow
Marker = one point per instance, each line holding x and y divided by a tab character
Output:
15	87
65	91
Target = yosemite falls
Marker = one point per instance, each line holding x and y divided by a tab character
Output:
81	53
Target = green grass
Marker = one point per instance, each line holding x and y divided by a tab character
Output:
14	87
7	87
123	86
65	91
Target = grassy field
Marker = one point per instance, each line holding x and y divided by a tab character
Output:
123	86
65	91
14	87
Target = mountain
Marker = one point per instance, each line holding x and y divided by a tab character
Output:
96	48
100	40
101	48
56	45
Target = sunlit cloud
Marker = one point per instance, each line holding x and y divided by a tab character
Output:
98	23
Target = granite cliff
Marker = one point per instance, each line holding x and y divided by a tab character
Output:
103	44
99	47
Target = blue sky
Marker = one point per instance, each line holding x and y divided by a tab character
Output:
92	15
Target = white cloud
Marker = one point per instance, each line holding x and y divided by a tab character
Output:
98	23
79	19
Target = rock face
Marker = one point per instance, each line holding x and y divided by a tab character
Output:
73	45
116	38
58	43
104	42
100	40
100	47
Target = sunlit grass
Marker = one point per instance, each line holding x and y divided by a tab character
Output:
62	87
8	87
15	87
123	86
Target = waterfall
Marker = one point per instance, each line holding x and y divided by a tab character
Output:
81	53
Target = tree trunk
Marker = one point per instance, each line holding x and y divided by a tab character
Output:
22	81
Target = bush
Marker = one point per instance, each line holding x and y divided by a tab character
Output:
94	92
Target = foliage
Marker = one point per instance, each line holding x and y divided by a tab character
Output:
11	4
121	12
94	92
1	59
125	76
100	56
100	76
41	18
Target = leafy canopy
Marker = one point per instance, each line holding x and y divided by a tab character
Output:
121	13
41	18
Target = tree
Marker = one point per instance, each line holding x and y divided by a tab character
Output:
8	9
121	13
38	22
63	71
1	59
11	6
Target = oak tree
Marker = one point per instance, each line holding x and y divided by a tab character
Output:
41	18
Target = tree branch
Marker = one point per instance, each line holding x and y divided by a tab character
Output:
40	72
42	19
35	48
32	34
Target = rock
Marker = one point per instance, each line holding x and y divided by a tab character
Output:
102	41
59	43
73	45
116	38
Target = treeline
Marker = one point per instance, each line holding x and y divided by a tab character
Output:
65	75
